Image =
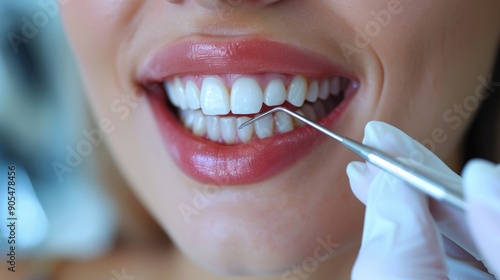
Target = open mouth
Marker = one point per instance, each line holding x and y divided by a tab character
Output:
199	106
213	107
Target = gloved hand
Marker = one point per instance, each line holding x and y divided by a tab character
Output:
402	231
482	192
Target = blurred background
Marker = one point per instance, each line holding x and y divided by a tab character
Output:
66	207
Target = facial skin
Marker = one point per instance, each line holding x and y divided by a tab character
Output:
426	58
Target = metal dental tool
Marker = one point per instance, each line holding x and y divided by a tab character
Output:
439	190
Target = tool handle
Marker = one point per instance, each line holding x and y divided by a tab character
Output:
439	190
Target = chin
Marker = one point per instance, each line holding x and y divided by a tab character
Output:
244	237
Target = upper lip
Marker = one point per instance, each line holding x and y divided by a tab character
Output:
246	56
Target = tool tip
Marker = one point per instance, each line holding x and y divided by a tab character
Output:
256	118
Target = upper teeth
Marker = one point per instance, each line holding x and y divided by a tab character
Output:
214	97
297	91
246	95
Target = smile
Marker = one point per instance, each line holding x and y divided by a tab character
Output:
209	89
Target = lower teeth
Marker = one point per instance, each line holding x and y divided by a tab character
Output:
224	130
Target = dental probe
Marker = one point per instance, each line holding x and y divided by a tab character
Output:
438	190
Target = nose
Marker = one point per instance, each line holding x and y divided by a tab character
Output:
213	4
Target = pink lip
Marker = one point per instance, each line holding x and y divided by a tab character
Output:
212	163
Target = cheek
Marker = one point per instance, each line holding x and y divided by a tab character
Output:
424	53
98	23
97	29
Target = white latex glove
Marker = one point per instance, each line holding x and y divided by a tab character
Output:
482	191
402	237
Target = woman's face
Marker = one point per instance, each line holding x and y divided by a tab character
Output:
260	200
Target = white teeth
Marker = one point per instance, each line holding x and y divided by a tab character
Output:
228	130
201	111
188	117
245	134
246	96
181	96
313	93
214	97
199	125
297	91
283	122
335	86
192	96
264	127
324	90
171	93
275	93
213	128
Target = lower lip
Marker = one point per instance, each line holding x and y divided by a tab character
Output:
215	164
